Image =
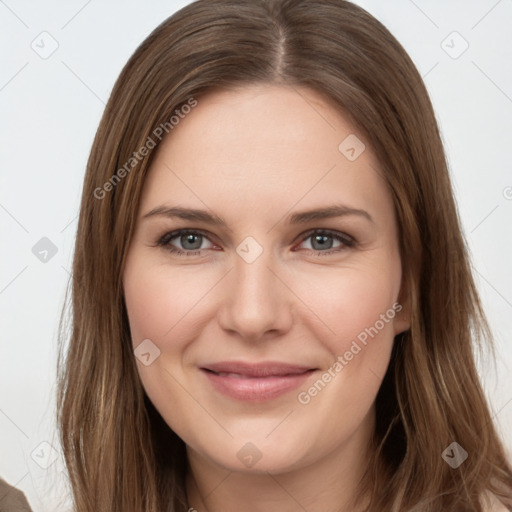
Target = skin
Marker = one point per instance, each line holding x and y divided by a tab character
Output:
252	156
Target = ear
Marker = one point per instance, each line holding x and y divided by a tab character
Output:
402	320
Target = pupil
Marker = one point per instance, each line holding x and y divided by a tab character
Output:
321	239
190	239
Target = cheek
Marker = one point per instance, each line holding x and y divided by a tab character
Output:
360	307
354	304
164	305
160	301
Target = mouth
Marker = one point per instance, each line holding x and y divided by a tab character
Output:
255	382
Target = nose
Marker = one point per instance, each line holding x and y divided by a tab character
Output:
257	302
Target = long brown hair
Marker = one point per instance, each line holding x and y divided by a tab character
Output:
120	454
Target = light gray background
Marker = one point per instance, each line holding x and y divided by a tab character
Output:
50	109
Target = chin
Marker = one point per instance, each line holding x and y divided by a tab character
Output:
259	457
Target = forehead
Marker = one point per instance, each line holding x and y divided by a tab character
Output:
263	119
269	144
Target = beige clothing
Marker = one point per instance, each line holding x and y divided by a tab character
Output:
12	499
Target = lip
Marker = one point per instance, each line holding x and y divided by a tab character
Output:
255	382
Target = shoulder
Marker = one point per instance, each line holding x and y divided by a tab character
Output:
12	499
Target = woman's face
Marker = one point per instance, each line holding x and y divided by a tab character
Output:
262	333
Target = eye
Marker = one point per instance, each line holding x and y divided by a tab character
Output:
190	242
322	241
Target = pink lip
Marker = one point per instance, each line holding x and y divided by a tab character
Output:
255	382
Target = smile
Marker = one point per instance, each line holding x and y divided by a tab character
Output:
255	382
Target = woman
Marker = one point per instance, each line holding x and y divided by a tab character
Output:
312	348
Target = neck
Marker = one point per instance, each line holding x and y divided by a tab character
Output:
329	484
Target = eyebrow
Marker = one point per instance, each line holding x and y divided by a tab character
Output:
303	217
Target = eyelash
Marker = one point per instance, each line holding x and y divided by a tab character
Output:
345	239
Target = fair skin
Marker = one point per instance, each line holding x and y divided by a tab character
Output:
253	156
